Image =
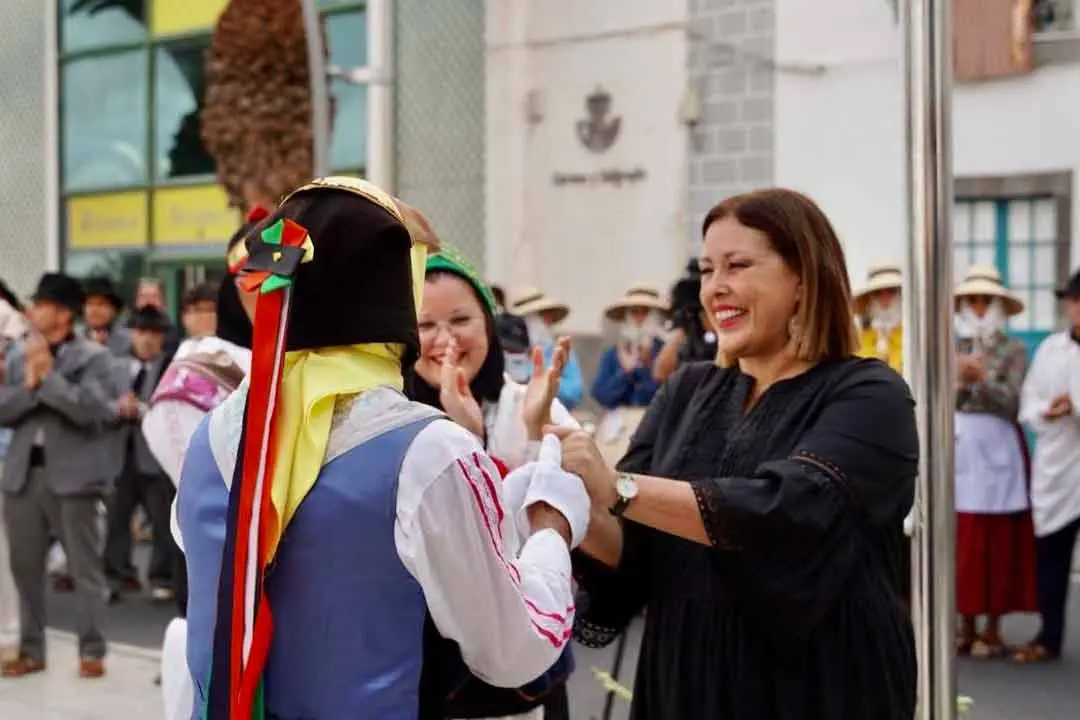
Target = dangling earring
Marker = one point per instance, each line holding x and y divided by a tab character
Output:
793	328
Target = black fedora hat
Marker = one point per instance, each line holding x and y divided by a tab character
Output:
102	287
62	290
1071	288
149	318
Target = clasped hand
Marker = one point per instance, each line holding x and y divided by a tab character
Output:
1061	407
39	361
543	495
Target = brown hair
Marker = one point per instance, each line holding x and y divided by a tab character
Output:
802	235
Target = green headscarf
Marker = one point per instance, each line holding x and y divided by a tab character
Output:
448	259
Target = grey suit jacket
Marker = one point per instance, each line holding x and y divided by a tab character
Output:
71	408
125	431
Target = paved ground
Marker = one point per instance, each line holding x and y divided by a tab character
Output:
1001	690
127	692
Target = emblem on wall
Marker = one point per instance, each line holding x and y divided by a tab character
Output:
598	132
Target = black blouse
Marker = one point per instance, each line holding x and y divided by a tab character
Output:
794	611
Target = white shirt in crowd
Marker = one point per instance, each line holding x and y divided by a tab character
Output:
1055	481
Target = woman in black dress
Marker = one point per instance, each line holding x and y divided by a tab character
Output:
758	513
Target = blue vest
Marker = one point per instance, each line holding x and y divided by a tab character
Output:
348	616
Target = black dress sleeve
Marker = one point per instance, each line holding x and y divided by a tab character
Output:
614	596
802	524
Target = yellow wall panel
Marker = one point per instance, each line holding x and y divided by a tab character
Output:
193	216
116	220
173	17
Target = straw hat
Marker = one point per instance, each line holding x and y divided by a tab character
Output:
529	300
985	281
881	277
641	295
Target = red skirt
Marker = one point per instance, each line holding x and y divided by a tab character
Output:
995	564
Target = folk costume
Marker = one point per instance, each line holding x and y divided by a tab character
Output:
323	514
881	335
448	689
203	373
995	543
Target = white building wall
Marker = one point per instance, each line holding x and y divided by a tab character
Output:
584	242
840	122
23	210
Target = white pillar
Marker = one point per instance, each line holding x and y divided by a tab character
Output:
380	137
52	158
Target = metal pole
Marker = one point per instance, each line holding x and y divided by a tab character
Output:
928	306
320	93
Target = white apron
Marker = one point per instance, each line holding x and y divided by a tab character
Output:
989	466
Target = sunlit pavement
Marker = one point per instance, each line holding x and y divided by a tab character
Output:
127	692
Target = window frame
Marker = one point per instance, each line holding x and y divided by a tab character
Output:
1056	186
149	46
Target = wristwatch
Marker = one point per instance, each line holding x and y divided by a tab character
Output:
626	488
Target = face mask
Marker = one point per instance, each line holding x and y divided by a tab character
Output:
518	367
883	320
970	325
539	332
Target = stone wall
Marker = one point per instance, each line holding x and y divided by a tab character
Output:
732	45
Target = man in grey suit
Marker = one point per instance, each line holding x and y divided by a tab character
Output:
56	397
140	480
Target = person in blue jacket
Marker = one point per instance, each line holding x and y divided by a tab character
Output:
541	314
624	378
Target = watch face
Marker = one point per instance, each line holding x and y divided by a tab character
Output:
626	487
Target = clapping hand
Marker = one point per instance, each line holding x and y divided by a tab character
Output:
456	395
543	387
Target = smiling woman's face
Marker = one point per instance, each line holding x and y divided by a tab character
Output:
451	310
748	291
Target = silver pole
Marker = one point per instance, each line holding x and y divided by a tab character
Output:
928	306
320	93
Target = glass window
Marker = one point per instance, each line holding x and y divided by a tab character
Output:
104	115
180	81
86	24
123	268
347	38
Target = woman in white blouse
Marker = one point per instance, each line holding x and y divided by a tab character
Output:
462	371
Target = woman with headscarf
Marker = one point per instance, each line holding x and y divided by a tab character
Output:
995	540
290	559
461	372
